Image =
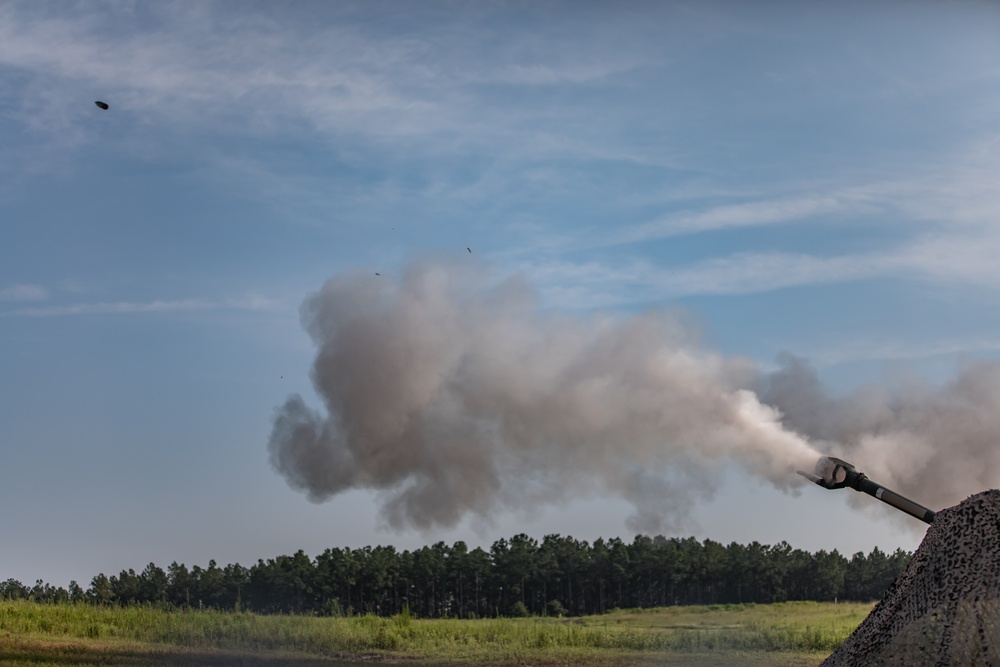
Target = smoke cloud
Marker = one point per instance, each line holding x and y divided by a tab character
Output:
455	395
936	445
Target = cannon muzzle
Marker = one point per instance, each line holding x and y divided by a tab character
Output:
834	473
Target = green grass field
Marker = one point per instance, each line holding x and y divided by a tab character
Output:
798	634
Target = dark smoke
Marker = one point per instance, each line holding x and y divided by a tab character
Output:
454	395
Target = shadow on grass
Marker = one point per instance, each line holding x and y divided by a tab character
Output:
88	656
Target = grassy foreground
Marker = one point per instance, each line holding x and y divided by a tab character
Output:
797	633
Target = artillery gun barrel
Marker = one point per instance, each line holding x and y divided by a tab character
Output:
834	473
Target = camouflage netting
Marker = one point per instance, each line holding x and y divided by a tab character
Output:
944	609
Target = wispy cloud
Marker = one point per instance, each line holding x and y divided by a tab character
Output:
761	272
426	97
959	191
23	293
937	225
746	214
869	348
964	257
255	302
196	64
547	74
113	308
604	284
252	302
968	257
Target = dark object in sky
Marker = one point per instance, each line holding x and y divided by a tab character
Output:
101	105
378	274
470	250
833	473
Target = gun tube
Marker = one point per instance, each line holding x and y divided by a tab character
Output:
833	473
889	497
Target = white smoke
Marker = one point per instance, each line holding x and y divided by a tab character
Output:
454	395
935	445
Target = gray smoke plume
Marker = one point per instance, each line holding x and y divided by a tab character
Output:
936	445
455	395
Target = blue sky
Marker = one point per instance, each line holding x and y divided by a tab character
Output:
810	178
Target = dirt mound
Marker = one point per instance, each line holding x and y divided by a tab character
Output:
944	609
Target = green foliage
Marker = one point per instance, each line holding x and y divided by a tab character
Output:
557	576
555	608
332	608
519	610
678	630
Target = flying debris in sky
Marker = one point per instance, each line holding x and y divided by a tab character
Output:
377	273
470	250
102	105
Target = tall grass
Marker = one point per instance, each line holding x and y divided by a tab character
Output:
790	627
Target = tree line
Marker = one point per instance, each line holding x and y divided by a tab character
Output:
516	577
